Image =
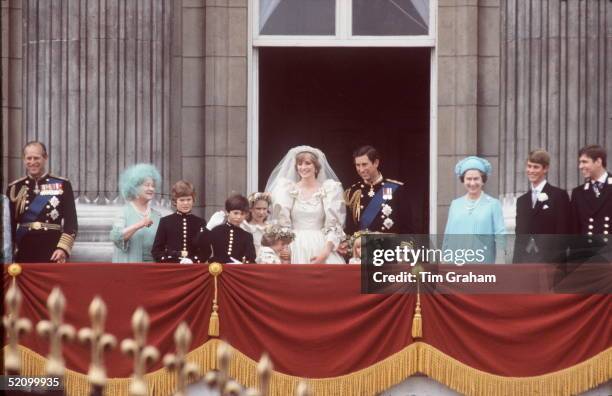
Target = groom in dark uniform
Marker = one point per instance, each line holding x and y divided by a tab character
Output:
541	216
375	203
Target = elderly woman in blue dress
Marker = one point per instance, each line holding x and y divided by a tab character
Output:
134	228
475	220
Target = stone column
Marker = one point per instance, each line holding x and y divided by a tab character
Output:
96	81
556	89
468	93
488	64
488	104
226	101
11	90
188	111
457	95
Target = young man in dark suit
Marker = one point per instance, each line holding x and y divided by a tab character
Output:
542	216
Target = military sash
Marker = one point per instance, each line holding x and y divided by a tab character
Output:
33	211
369	214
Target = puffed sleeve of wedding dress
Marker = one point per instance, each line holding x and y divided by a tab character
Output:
283	197
335	212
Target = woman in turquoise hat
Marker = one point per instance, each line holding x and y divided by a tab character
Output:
476	218
135	226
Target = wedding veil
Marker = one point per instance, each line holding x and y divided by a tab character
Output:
286	169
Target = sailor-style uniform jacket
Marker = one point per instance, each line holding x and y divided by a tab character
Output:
43	217
592	208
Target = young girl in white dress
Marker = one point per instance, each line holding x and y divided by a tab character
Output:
356	249
257	219
308	198
274	242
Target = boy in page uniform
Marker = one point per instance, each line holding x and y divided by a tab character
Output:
230	243
175	238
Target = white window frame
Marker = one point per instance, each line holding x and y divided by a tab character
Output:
342	38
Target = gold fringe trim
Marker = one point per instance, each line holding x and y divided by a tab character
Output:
160	382
470	381
417	357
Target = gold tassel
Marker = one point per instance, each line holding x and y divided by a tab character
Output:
417	320
417	324
213	324
215	270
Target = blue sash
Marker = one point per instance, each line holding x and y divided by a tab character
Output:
34	209
369	214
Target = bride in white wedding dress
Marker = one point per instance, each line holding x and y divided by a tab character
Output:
307	196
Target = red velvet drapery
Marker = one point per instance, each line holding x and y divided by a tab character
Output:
313	320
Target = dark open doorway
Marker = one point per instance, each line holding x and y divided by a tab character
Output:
338	99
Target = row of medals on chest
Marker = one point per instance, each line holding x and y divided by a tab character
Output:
387	195
54	189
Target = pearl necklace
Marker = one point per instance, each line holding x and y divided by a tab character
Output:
147	212
471	205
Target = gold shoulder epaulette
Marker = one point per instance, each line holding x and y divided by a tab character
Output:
396	182
17	181
58	177
346	195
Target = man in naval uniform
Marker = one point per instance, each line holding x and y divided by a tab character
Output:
43	213
591	204
375	203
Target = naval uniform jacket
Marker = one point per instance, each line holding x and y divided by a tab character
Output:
229	241
592	214
176	238
392	216
43	217
548	217
592	218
